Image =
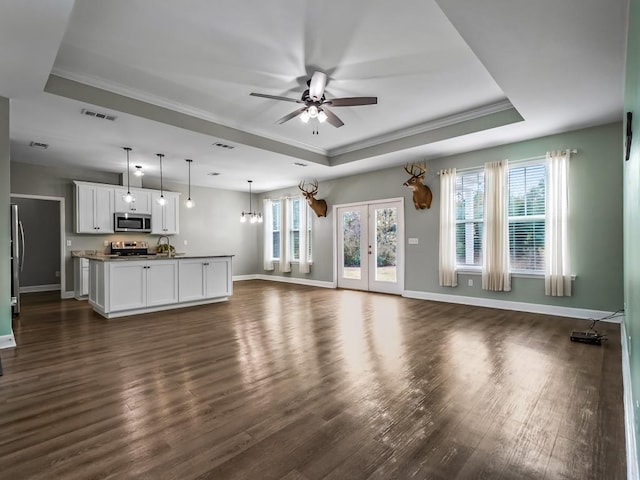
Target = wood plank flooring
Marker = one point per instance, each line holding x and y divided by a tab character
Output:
301	383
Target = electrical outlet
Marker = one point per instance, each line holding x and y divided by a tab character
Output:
68	243
470	282
413	241
105	243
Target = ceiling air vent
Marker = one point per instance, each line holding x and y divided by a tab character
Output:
44	146
104	116
299	164
214	174
223	145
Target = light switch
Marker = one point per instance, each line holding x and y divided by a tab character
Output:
68	243
413	241
470	282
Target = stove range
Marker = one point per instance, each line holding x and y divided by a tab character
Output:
130	248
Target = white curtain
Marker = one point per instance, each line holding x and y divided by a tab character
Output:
267	209
495	254
448	275
303	263
285	261
557	278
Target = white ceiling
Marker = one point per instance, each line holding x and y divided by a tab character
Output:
450	76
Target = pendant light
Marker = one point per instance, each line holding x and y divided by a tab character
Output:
128	198
138	171
189	203
161	201
251	215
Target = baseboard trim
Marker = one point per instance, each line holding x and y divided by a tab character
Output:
7	341
633	471
40	288
508	305
278	278
240	278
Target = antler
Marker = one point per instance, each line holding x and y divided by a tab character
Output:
422	168
311	192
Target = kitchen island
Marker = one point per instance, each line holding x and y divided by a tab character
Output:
122	286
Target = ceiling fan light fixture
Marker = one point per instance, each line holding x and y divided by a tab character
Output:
322	117
305	117
313	111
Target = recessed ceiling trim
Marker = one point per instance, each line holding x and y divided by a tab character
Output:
107	99
449	120
460	129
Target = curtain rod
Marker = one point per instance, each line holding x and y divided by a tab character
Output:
520	160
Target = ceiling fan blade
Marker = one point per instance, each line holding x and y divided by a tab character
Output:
316	85
332	118
275	97
351	101
291	115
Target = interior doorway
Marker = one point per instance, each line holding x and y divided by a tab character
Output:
43	273
370	246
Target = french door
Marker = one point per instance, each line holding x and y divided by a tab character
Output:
370	246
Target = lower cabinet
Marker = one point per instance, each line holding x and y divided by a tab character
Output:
135	285
204	278
128	287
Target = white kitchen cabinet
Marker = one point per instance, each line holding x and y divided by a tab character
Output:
141	201
81	278
122	287
165	218
140	284
94	208
204	278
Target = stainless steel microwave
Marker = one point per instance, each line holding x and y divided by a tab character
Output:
131	222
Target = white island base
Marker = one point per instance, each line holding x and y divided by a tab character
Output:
120	287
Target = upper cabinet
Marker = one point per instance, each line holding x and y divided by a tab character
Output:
94	208
96	203
141	201
164	218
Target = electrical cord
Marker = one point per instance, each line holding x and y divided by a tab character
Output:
616	314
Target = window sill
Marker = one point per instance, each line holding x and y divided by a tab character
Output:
474	271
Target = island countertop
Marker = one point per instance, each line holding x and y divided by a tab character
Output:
133	258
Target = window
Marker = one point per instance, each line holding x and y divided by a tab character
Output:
287	230
469	218
296	208
527	217
275	229
526	211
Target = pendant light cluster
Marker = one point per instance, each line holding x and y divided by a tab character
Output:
253	217
128	197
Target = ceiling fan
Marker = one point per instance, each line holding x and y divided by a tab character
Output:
315	103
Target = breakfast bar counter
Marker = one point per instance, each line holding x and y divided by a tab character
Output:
123	285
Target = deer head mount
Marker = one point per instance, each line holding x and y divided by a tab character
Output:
422	195
318	206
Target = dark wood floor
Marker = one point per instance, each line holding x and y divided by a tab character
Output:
303	383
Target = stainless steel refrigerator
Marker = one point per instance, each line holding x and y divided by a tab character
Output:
17	258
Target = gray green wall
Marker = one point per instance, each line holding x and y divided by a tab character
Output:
596	199
5	237
212	227
632	211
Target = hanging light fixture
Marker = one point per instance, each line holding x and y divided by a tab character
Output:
251	215
128	197
189	203
162	201
138	171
